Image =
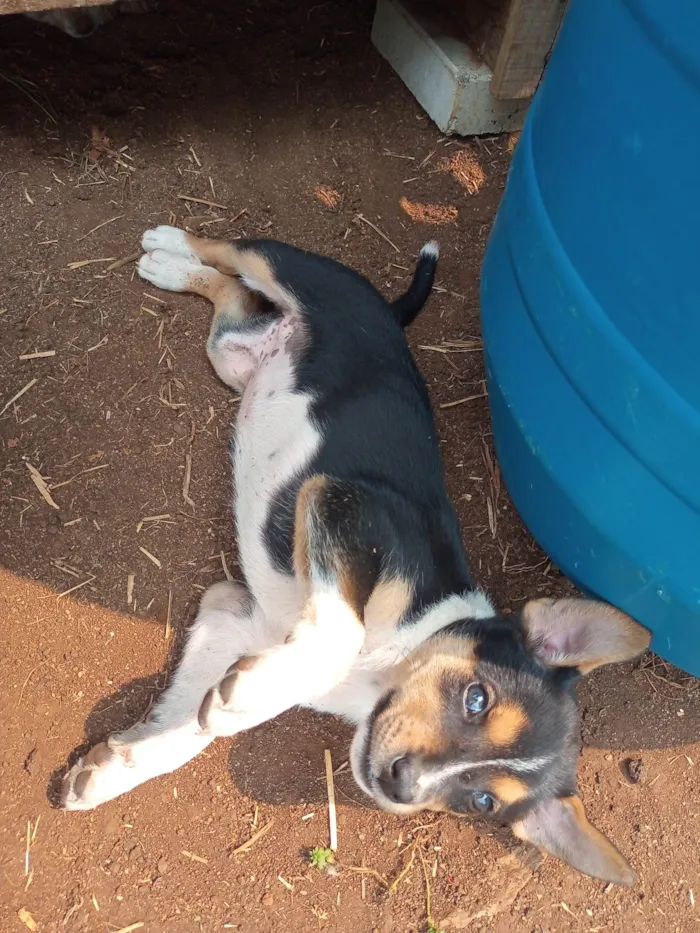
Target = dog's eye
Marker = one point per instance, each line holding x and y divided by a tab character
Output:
482	802
476	699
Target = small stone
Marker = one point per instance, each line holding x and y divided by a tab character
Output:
635	770
163	867
267	900
608	757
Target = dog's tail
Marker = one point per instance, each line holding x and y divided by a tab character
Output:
408	306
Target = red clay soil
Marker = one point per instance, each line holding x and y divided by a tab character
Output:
252	108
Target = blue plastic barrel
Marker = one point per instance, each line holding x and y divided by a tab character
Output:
590	300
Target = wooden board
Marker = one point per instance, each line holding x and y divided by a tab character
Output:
529	30
32	6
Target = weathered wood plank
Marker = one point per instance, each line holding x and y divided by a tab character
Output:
529	30
31	6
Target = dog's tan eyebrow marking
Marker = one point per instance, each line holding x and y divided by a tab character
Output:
509	789
505	723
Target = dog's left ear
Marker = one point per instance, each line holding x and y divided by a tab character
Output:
581	633
561	828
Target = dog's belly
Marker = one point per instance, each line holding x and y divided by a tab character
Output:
275	440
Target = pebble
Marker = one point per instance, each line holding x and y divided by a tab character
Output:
267	899
635	770
163	867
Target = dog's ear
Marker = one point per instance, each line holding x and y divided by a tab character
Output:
561	828
581	633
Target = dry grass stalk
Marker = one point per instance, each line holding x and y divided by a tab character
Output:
88	262
27	919
186	480
462	401
131	927
18	395
253	839
26	681
288	886
227	572
362	870
330	787
195	858
39	355
130	588
151	557
428	911
402	874
78	586
148	519
65	482
363	219
184	197
169	616
41	485
132	257
99	227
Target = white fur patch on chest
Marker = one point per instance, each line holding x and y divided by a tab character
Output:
275	440
387	646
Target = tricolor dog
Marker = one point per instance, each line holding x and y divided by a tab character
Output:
358	599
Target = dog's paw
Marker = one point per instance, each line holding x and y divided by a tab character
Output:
171	240
167	270
94	779
238	702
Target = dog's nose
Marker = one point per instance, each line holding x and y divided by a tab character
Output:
397	780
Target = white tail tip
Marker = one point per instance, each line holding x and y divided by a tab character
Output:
431	250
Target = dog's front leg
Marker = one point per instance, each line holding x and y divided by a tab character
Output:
229	624
316	657
339	569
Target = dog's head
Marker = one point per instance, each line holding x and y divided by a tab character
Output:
483	718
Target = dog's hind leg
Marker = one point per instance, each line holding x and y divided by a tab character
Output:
239	282
228	625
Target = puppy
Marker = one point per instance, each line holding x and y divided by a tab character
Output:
358	599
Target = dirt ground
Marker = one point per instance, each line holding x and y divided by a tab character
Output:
280	118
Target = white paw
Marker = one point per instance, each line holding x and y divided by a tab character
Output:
167	270
104	773
171	239
238	702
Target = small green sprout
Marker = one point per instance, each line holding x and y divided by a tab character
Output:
432	928
322	857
